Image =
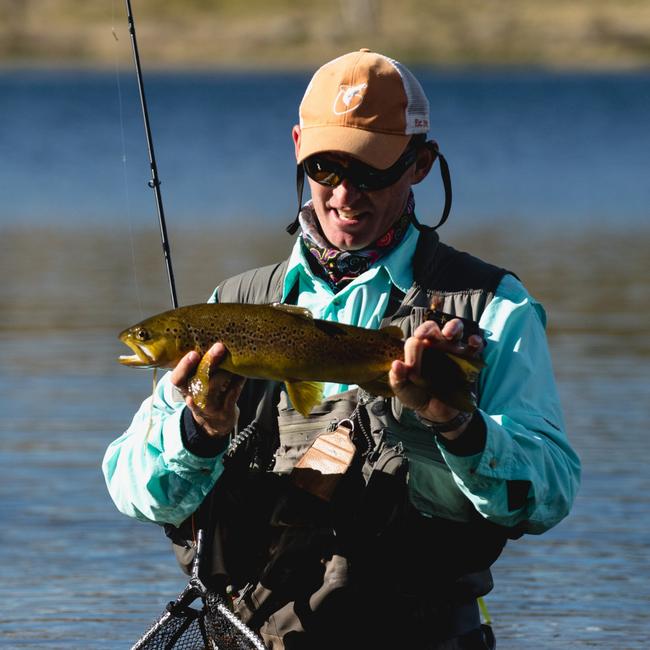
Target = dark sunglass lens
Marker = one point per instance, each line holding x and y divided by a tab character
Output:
362	176
323	172
369	179
332	179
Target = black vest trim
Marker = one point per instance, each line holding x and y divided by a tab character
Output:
441	269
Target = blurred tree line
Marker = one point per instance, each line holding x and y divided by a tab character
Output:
292	33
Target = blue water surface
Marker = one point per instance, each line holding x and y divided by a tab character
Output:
550	177
527	145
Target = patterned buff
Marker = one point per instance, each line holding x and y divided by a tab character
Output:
340	267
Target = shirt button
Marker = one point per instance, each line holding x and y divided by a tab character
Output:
493	463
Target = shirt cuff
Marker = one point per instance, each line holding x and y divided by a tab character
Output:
471	441
197	441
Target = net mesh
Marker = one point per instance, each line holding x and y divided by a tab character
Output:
206	625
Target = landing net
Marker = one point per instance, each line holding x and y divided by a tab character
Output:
198	620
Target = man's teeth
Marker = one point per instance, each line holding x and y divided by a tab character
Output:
347	214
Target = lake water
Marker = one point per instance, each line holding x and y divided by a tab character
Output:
550	177
519	145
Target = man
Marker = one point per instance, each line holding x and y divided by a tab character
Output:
397	552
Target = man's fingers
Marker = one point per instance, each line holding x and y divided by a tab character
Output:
475	344
186	367
449	338
398	374
413	353
427	329
453	330
217	352
184	370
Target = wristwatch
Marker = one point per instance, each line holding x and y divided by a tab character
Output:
450	425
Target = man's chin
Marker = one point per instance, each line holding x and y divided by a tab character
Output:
349	234
350	243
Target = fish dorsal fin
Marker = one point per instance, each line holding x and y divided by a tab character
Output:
329	328
394	331
303	312
304	395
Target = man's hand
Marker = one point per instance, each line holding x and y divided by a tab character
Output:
405	376
219	416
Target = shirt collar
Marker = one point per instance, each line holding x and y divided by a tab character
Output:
398	265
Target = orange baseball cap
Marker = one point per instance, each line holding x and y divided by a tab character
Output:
363	104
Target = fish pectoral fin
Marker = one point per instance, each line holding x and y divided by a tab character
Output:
200	383
379	386
394	331
304	395
302	312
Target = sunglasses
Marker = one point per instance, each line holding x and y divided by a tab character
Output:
330	173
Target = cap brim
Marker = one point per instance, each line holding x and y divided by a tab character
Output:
379	150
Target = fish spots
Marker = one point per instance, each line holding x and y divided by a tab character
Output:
248	335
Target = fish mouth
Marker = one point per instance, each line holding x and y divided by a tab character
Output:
142	357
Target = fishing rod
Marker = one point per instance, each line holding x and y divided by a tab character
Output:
221	619
154	183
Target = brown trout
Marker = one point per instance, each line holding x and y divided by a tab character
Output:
285	343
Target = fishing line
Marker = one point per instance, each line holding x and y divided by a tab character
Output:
153	397
125	170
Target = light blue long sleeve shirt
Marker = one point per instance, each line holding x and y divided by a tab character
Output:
151	476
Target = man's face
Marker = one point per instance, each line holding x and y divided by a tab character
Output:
350	218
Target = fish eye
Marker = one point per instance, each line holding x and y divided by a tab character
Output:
142	334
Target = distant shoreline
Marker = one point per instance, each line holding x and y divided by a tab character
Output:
101	67
582	35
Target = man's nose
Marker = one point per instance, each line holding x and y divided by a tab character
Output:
344	194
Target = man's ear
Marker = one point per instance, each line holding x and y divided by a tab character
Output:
423	163
295	134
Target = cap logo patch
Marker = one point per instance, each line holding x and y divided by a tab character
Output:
349	98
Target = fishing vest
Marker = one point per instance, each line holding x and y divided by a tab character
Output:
388	538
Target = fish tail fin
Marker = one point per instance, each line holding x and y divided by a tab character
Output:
464	397
452	378
470	367
304	395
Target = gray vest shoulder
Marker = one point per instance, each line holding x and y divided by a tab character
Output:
257	286
457	282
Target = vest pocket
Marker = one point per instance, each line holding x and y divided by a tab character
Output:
297	433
